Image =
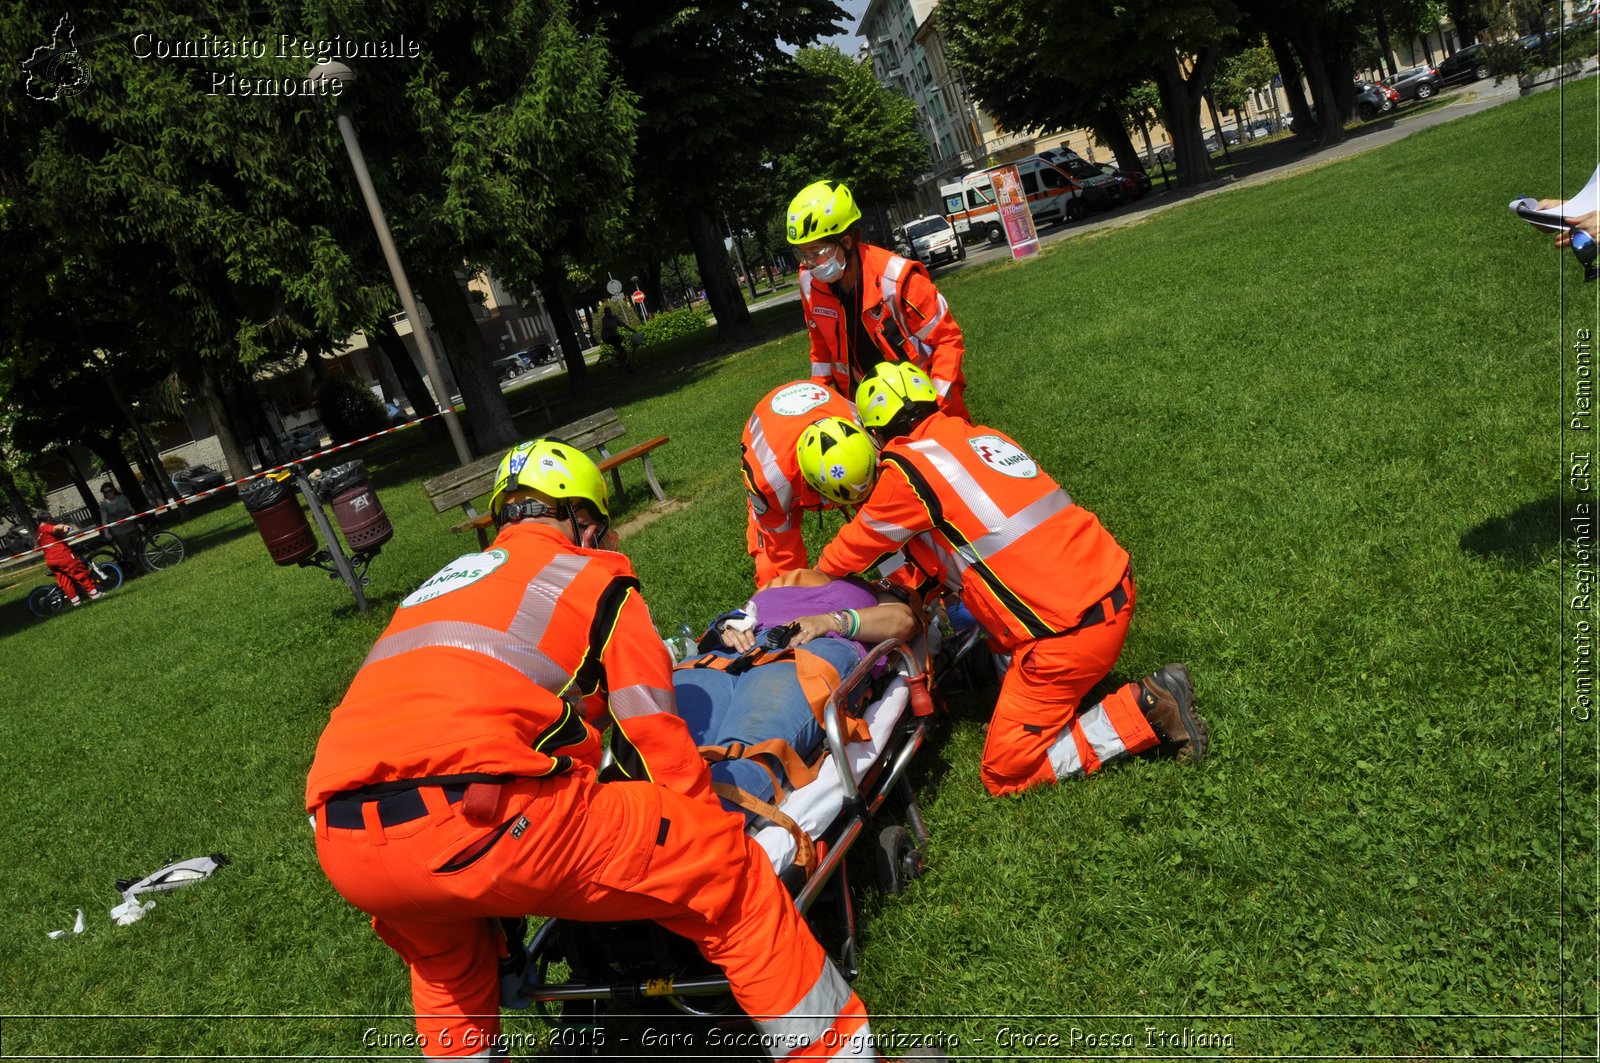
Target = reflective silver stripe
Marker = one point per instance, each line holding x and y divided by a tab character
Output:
822	368
1001	530
805	288
1022	522
777	482
1102	735
631	702
933	323
954	565
516	647
888	286
956	475
811	1017
942	386
893	532
1063	756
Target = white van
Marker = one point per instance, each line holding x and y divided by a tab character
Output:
1060	185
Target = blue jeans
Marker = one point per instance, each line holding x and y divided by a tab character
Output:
765	702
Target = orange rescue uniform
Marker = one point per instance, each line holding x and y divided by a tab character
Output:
778	495
64	564
1049	584
456	784
903	314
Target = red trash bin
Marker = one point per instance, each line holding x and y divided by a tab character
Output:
356	507
280	520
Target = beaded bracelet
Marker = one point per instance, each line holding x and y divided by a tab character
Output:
840	621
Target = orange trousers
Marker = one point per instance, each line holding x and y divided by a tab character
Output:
570	847
1040	732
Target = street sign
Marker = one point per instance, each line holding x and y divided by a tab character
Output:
614	286
638	297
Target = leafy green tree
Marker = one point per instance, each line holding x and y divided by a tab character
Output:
854	130
1075	45
1022	86
718	94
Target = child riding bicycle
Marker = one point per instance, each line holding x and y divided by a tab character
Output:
65	565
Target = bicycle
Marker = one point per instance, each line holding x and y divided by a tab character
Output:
48	600
154	551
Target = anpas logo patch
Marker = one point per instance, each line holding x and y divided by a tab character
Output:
1005	457
798	399
464	571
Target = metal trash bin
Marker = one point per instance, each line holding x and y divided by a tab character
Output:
356	507
282	523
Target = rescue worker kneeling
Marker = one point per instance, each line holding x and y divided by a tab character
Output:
777	494
456	782
1047	582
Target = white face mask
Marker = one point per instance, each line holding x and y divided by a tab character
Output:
824	260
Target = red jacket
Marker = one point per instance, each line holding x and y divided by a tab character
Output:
778	495
51	538
973	510
903	313
507	662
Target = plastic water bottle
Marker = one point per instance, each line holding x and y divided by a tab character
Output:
683	644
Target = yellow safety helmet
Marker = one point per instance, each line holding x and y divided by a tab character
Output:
822	209
838	460
556	472
895	398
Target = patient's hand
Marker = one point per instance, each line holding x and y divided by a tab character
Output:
814	627
736	640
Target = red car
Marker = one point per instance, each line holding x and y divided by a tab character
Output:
1135	184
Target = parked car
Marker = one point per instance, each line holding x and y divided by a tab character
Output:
508	367
1469	64
1135	183
1373	99
934	241
537	355
301	440
1417	83
15	541
197	478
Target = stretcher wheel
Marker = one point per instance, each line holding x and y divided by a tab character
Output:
897	858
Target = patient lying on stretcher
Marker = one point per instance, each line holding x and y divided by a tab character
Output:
753	700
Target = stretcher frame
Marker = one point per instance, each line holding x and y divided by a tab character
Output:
691	984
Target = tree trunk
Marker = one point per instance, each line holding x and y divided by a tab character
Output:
1113	133
241	396
711	256
1216	124
1289	71
561	316
487	421
81	482
203	374
1309	44
1384	43
1180	105
21	512
393	350
111	456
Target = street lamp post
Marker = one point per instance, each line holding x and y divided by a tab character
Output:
358	162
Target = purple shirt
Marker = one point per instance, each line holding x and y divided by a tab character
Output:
777	606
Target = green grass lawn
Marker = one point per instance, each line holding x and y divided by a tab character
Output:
1323	414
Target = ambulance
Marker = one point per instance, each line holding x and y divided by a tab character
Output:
1060	185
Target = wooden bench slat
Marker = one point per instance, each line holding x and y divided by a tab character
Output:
460	486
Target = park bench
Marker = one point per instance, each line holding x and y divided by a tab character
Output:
459	487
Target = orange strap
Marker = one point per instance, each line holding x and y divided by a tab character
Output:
795	769
805	852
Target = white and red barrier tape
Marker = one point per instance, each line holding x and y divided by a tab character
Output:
90	533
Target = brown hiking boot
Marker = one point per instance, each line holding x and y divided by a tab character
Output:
1167	702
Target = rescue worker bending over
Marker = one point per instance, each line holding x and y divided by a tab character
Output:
1049	584
456	782
778	495
864	304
